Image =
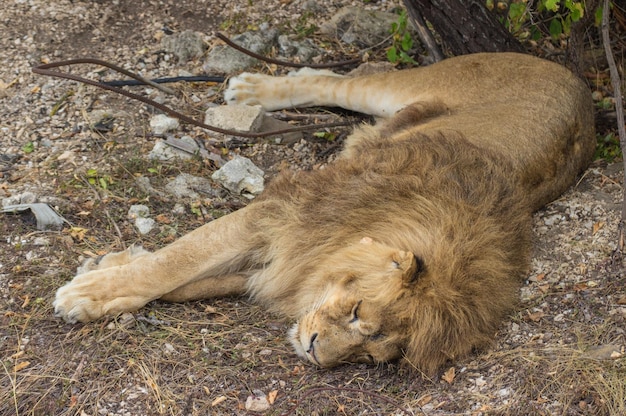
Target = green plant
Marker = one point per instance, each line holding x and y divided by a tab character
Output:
565	12
402	42
608	148
521	17
303	26
96	179
28	147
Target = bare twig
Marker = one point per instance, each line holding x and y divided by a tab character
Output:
248	52
47	69
619	108
423	31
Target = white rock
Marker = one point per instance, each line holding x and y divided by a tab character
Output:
240	176
145	225
139	215
257	402
138	211
162	123
235	117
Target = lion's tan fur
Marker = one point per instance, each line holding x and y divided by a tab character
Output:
413	243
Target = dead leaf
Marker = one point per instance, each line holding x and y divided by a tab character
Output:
424	400
622	300
218	400
26	302
163	219
78	233
21	366
449	375
603	352
597	226
535	316
271	397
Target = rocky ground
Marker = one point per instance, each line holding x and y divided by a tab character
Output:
85	152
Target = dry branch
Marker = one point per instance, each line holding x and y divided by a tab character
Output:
619	109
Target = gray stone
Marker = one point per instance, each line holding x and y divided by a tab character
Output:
185	45
189	186
304	50
271	124
162	123
363	28
163	150
223	59
240	176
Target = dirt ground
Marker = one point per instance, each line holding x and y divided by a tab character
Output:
561	353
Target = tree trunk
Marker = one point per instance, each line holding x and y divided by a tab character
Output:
465	26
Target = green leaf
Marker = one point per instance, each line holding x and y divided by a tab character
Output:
392	55
556	29
516	10
598	16
407	42
577	11
28	147
552	5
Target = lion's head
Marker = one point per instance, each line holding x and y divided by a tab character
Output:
354	320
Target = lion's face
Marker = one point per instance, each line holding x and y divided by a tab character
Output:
353	321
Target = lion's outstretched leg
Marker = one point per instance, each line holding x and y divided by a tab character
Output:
219	248
210	287
112	259
307	87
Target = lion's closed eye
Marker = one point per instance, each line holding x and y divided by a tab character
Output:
355	312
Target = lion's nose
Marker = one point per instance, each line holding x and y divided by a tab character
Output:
313	337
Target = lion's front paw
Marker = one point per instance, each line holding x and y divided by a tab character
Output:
74	303
97	293
249	89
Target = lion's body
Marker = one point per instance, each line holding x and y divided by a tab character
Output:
413	243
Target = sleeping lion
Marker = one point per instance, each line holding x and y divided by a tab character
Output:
412	245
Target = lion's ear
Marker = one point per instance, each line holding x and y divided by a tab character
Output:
420	269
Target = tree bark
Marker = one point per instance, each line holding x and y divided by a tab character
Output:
465	26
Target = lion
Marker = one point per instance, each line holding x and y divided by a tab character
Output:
412	245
